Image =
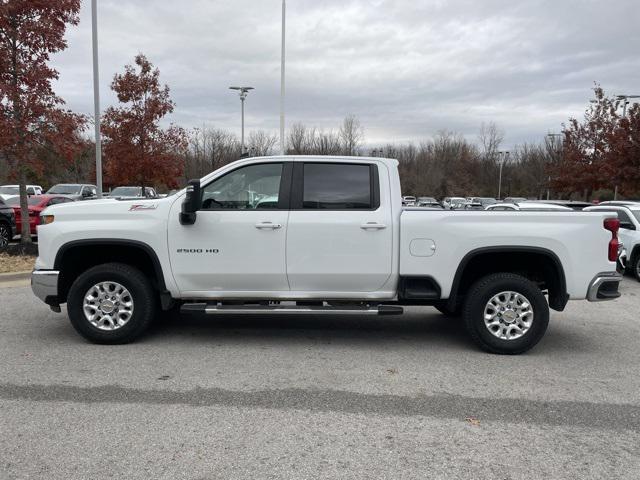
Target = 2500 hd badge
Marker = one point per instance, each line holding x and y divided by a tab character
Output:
198	250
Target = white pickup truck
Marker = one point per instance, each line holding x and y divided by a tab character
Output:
319	235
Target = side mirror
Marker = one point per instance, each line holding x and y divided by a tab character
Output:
191	203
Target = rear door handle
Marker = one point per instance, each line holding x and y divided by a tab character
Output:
268	225
373	226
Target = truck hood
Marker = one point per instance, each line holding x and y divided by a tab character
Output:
109	208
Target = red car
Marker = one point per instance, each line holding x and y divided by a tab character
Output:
37	204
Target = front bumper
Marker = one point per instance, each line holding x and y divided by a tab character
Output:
604	286
44	284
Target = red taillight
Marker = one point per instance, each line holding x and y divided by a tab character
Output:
613	225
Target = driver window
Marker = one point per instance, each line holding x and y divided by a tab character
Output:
247	188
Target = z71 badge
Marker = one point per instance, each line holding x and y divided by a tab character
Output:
143	206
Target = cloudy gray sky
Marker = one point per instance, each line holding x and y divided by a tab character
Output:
406	68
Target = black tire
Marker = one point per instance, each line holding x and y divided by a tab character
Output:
142	294
474	311
446	311
5	235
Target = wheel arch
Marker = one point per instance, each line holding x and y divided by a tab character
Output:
77	256
537	263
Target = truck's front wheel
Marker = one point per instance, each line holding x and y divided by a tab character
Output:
113	303
506	313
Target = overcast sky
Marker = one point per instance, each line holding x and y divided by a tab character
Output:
406	68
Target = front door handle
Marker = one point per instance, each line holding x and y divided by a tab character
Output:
373	226
268	225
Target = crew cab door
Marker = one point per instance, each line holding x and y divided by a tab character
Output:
237	243
340	236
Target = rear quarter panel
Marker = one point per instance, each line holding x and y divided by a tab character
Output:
577	238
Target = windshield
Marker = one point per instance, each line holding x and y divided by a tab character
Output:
636	213
65	189
9	191
15	202
125	192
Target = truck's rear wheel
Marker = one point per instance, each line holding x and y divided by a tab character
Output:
112	303
505	313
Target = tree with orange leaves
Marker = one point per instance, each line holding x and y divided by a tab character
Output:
600	152
30	112
624	152
137	150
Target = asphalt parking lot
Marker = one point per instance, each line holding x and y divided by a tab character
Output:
315	397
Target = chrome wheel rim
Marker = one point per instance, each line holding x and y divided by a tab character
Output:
108	306
4	236
508	315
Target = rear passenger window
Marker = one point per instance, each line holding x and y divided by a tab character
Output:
332	186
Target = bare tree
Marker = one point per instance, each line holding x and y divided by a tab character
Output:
261	143
326	143
298	139
209	149
351	135
490	137
221	147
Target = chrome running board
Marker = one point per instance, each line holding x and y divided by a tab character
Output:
217	309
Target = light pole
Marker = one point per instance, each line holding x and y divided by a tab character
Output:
625	102
505	158
243	91
552	144
282	59
96	96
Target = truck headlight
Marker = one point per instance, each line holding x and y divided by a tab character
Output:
46	219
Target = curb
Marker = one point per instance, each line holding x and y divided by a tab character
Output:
14	276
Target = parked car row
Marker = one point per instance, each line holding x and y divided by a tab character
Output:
79	191
490	203
11	217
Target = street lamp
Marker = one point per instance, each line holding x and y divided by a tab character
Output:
625	102
243	91
505	159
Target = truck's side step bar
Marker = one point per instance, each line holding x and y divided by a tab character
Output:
253	309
